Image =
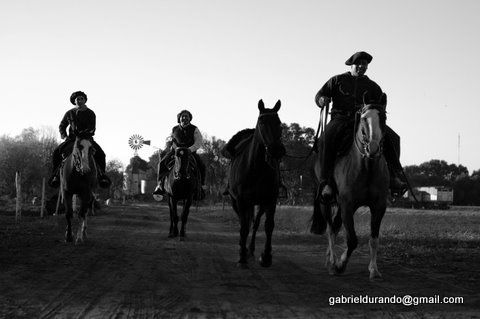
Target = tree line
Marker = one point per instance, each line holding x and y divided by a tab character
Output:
30	154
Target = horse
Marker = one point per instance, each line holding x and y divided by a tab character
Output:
254	179
362	179
182	183
78	176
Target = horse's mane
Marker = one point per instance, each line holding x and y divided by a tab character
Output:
230	150
245	133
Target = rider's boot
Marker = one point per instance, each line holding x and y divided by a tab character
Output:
397	186
159	189
103	180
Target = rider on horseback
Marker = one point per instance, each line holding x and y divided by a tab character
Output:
184	134
346	91
81	120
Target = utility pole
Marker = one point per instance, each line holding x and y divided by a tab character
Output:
458	150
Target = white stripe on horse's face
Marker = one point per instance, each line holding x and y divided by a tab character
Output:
84	148
375	135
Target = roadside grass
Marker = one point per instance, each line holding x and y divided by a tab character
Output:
448	240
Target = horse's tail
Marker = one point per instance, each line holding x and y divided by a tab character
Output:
318	221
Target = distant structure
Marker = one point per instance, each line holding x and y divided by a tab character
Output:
431	197
135	178
136	142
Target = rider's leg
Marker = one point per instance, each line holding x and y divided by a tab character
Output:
99	157
327	150
64	148
54	180
162	173
392	156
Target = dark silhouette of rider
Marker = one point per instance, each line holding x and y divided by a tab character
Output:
184	134
81	122
346	91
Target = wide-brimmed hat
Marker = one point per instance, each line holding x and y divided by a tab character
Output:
75	95
362	55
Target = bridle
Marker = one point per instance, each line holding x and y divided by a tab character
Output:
363	145
78	157
269	156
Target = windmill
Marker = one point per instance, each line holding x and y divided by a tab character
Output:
136	142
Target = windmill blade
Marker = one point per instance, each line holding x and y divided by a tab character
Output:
146	142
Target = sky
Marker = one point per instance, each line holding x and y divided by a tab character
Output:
142	61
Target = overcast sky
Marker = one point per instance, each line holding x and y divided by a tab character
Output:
141	62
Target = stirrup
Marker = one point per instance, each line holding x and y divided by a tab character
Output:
158	191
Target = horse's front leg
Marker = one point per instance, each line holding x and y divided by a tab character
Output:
245	212
266	257
172	203
375	221
185	212
256	224
352	241
68	216
82	216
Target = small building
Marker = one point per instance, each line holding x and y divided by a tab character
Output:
439	193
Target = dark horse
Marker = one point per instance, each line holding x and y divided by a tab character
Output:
254	179
78	176
362	179
181	184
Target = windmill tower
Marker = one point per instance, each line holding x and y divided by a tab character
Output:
136	142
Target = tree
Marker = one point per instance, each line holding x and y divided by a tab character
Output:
114	171
216	167
434	173
30	154
296	168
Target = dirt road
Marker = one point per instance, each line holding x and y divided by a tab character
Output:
129	269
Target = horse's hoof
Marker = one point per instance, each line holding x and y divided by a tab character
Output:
182	238
340	269
69	239
265	261
375	275
331	269
242	265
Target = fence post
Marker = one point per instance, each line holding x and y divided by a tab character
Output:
43	198
18	206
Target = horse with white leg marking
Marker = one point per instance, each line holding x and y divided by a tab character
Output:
78	176
362	179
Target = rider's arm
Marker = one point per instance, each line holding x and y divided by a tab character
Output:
324	95
63	126
198	140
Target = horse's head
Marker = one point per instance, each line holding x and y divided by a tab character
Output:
182	163
269	130
371	126
82	155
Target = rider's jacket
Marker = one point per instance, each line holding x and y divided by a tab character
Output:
346	91
80	122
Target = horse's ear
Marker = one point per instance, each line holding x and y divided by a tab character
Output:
383	99
261	106
277	106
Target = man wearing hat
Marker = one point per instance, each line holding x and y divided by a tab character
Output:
184	134
346	91
81	122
